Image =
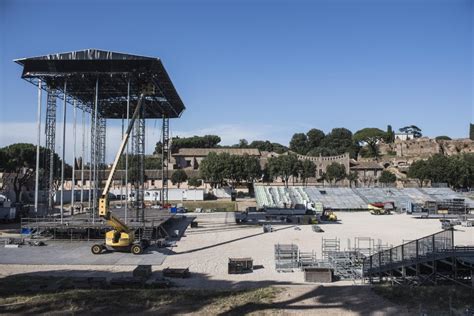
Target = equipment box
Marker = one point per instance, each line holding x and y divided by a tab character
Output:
240	265
318	275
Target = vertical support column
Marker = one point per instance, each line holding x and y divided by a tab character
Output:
63	151
73	180
94	150
83	155
38	143
370	269
141	168
165	158
139	153
101	150
417	267
50	130
91	160
126	154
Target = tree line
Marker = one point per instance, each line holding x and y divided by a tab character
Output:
312	143
218	169
19	162
457	171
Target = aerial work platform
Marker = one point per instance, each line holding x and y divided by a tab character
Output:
433	259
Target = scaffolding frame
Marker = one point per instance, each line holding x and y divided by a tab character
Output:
138	152
286	257
165	153
50	131
427	260
122	77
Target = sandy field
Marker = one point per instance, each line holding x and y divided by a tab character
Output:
205	250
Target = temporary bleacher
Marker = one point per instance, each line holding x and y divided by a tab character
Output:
426	260
401	197
350	198
441	194
336	198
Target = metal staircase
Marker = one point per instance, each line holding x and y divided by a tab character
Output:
427	260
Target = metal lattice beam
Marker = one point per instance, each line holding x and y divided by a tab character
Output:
50	131
165	158
138	154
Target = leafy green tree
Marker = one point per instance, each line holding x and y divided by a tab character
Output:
252	171
389	135
411	129
206	141
308	170
19	161
469	159
243	143
387	177
150	162
235	170
371	136
215	168
158	148
471	131
353	176
338	142
179	176
439	168
299	143
283	166
268	146
443	138
457	171
279	148
460	171
324	178
194	182
419	170
153	163
336	171
314	138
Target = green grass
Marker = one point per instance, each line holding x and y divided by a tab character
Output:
227	206
428	298
29	295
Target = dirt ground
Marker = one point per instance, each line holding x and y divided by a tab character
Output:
205	251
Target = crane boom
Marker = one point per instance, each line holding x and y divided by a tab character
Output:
104	199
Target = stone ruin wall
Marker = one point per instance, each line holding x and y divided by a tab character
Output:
425	147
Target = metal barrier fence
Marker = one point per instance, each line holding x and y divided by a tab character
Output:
411	251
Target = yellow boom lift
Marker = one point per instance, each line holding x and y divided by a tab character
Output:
120	237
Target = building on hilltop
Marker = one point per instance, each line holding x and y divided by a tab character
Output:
404	136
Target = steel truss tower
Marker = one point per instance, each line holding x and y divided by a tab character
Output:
50	131
165	158
138	154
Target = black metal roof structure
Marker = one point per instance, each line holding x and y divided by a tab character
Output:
114	71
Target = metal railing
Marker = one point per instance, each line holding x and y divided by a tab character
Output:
427	247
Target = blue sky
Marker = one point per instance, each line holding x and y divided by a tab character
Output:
263	69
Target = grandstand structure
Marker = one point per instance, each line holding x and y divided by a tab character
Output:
350	198
432	259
